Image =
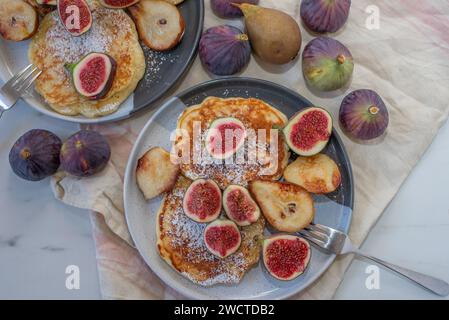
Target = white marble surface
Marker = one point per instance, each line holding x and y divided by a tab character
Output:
40	237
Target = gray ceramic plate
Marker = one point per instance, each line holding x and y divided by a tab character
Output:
163	70
334	210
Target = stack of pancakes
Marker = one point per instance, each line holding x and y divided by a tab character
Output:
180	239
113	32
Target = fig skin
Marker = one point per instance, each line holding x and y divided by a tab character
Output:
85	153
118	4
327	64
324	16
275	36
224	50
225	9
363	115
35	155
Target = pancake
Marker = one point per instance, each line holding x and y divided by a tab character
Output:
181	245
113	32
254	114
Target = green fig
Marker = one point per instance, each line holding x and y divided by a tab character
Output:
275	36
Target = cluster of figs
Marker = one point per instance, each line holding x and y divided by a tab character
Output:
39	153
275	37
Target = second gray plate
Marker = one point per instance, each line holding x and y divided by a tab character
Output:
334	210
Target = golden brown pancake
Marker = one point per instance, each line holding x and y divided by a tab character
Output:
181	245
255	114
112	32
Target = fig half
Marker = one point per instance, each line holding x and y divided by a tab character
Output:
118	4
324	16
93	75
285	256
202	201
327	64
364	115
75	16
225	137
240	206
309	131
222	238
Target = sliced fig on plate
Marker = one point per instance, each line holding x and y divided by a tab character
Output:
159	23
118	4
202	201
222	238
309	131
75	15
18	20
93	75
285	256
239	206
225	137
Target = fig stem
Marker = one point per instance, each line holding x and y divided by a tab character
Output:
341	59
25	154
373	110
242	37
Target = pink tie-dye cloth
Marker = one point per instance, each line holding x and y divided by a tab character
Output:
406	60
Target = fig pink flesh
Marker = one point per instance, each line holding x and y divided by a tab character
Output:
239	205
93	74
311	128
84	14
221	238
286	257
204	200
228	130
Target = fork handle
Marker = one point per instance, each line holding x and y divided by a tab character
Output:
432	284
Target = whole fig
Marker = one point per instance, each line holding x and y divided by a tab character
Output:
364	115
224	50
35	155
325	16
226	9
327	64
85	153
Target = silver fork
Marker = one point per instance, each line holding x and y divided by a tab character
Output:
337	242
17	86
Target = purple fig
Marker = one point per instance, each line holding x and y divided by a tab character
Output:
85	153
93	75
35	155
77	21
325	16
363	115
327	64
224	50
226	9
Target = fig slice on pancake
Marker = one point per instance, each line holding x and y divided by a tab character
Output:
309	131
225	137
222	238
240	206
93	75
285	256
75	15
202	201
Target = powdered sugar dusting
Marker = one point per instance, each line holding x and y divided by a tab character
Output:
99	38
186	236
154	61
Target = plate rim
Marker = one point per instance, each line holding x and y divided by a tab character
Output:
30	101
133	158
